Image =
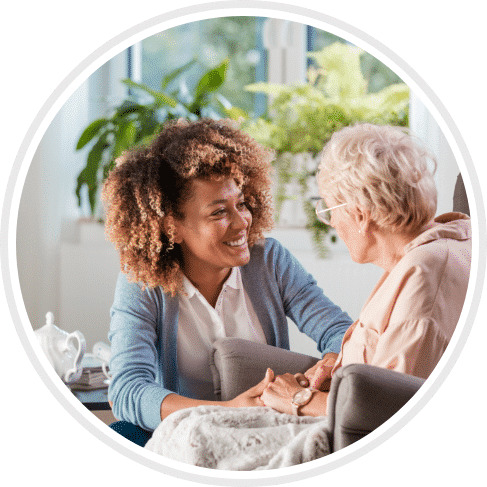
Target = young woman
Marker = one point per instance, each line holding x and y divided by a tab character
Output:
187	215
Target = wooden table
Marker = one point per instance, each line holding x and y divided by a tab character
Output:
96	401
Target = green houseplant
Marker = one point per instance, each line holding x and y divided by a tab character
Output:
138	118
302	117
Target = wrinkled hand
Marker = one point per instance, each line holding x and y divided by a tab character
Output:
319	376
251	397
278	394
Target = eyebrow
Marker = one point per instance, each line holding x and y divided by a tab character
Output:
218	202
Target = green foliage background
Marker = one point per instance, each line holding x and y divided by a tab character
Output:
302	117
137	120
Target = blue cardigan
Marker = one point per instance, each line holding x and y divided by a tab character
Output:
143	328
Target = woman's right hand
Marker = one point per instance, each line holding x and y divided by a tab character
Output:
251	397
318	376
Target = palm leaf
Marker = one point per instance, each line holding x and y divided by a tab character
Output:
89	175
174	74
159	97
91	131
211	80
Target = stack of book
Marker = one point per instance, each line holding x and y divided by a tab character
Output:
92	376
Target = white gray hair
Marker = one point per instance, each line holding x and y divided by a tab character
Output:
382	169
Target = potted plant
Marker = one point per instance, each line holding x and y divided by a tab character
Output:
139	118
302	117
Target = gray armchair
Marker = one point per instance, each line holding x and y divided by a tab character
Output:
362	397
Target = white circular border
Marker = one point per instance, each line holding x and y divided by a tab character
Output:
296	14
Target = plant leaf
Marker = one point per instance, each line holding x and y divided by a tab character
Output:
129	107
90	132
341	63
159	97
235	113
148	125
273	89
89	175
391	99
124	138
211	80
174	74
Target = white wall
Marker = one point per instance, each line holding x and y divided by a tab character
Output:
48	212
423	125
48	209
88	274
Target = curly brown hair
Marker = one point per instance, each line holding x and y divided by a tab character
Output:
150	183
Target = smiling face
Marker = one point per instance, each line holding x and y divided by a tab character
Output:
213	233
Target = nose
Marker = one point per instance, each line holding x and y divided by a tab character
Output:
241	219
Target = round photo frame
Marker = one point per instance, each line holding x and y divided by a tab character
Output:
387	430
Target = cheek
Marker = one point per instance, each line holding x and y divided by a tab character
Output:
360	246
249	219
341	232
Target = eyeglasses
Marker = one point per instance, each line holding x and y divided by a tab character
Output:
324	213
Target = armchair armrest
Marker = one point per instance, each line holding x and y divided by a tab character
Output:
238	365
362	397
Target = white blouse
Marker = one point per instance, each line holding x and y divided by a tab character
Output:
200	325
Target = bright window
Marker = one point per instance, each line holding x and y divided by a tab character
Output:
375	72
210	42
241	40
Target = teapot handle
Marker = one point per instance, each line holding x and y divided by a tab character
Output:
74	374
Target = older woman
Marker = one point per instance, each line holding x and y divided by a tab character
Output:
380	197
187	215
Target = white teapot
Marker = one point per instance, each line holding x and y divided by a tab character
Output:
63	350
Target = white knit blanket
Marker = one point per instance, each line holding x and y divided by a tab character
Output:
240	438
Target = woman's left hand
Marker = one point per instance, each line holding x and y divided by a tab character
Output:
251	397
279	393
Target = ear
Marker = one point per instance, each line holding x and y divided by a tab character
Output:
171	229
363	219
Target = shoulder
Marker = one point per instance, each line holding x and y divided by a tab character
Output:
268	257
134	293
430	280
448	237
421	268
268	247
431	253
269	253
439	254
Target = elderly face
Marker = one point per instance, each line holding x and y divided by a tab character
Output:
349	228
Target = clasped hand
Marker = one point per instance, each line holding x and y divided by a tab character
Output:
319	376
252	397
277	392
273	392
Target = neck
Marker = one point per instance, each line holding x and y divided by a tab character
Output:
209	282
388	249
